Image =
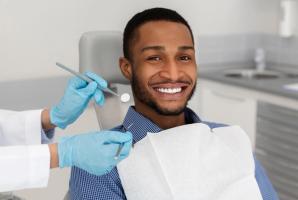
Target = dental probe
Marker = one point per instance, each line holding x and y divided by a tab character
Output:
121	145
124	97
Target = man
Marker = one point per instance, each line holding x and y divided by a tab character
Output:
159	60
25	163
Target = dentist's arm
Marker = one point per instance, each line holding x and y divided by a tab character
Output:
74	101
54	159
46	120
37	126
94	152
27	166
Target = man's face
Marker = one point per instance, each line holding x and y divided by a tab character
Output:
163	67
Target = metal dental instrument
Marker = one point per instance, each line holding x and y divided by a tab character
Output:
118	151
121	145
87	79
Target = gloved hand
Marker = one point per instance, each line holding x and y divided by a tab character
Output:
94	152
76	98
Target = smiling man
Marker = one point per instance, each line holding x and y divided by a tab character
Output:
159	61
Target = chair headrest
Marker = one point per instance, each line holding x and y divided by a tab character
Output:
99	51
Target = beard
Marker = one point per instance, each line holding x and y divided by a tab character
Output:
146	98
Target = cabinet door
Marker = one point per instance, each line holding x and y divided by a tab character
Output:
224	107
277	147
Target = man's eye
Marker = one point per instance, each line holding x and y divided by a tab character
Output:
185	58
154	58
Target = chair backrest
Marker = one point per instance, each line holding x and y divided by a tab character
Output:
99	52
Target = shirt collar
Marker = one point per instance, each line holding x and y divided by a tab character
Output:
139	125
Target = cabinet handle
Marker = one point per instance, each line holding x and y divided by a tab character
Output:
228	97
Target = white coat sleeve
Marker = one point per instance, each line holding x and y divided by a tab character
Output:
24	167
20	128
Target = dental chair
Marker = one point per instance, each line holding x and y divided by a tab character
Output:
99	52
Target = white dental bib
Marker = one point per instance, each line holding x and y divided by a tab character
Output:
191	162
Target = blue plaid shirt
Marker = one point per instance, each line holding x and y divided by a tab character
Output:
85	186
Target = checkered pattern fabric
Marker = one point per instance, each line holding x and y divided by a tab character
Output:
85	186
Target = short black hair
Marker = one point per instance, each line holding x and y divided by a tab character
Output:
152	14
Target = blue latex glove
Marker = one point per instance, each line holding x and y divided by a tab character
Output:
76	98
94	152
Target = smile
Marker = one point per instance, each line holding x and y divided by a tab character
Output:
169	90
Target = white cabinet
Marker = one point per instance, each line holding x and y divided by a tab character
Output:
224	107
223	104
233	105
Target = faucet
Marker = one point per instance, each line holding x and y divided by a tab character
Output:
259	59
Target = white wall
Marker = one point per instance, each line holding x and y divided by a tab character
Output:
34	34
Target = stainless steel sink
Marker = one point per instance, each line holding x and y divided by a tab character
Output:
252	74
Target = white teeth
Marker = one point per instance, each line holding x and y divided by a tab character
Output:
169	90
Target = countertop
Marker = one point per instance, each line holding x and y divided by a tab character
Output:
273	86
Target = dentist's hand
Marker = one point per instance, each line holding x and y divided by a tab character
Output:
76	98
94	152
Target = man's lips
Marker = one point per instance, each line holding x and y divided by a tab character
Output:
170	88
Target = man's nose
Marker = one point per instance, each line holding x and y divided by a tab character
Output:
171	71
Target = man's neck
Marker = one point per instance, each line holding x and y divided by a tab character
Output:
163	121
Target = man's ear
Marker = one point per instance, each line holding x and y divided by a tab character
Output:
125	68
